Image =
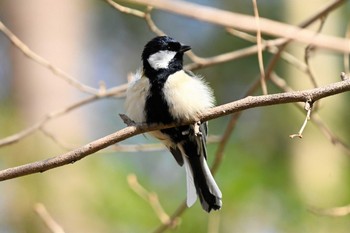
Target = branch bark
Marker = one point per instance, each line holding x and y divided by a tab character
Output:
129	131
247	23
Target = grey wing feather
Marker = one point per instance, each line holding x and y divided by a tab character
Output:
204	130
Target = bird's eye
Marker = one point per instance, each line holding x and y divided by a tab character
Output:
173	46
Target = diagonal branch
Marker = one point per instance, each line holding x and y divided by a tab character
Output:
247	23
115	91
222	110
42	61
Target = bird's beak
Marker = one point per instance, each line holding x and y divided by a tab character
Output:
184	48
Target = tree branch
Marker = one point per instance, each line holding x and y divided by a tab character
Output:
247	23
222	110
42	61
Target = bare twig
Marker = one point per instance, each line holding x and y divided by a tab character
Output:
274	49
229	56
151	24
150	197
173	218
56	140
308	52
346	59
113	92
236	106
331	212
144	15
308	108
259	42
126	10
42	61
214	223
50	223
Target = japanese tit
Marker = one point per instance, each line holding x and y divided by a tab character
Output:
163	93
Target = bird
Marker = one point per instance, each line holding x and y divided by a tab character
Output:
162	92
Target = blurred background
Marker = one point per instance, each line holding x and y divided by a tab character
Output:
269	181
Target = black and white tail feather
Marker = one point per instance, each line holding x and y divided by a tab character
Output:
162	92
199	178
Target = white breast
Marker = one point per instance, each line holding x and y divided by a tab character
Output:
136	96
187	96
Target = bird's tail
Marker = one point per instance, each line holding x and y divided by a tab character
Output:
201	182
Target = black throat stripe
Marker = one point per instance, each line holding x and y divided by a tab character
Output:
156	107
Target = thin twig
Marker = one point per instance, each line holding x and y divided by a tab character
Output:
214	223
50	223
308	52
308	108
229	56
152	26
56	140
173	218
126	10
259	44
150	197
347	55
113	92
43	62
331	212
287	57
144	15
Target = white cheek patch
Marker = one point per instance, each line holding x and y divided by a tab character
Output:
161	59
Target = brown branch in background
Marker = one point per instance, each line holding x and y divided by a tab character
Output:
112	92
331	212
50	223
126	10
346	59
309	50
151	198
151	24
229	56
173	218
247	23
144	15
214	223
222	110
55	139
43	62
260	54
274	49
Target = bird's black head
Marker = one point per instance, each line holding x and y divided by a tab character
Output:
163	54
